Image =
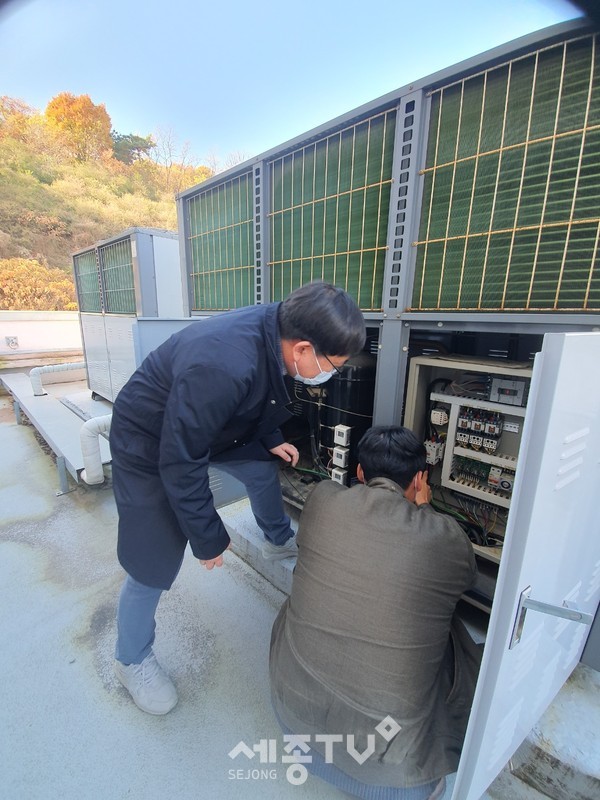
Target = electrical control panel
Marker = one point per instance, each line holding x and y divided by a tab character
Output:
470	415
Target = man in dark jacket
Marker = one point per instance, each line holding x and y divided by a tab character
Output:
212	393
368	635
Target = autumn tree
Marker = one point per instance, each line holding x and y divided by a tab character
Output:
129	147
27	285
84	126
14	117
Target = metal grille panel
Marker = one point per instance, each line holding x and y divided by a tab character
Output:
510	218
329	203
221	246
87	281
116	265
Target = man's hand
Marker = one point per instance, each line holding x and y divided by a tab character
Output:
213	562
287	452
423	493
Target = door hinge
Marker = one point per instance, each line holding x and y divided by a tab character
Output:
566	611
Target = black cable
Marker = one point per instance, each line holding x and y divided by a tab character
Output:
316	439
300	496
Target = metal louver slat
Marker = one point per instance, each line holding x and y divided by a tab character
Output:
116	264
510	218
87	281
329	204
221	237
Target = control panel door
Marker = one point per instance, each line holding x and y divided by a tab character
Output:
549	578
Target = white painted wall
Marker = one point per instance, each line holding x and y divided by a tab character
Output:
39	331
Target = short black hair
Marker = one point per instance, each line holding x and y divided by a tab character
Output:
391	452
324	315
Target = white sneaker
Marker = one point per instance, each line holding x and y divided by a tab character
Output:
148	684
275	552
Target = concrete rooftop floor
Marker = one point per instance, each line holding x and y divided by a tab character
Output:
69	729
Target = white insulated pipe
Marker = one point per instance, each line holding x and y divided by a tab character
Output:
92	472
36	373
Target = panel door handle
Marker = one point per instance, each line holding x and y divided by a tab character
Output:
566	611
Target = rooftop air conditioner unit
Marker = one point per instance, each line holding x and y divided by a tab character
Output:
135	274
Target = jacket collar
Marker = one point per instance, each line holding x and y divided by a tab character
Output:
385	483
274	356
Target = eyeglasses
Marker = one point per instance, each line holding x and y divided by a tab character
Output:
337	370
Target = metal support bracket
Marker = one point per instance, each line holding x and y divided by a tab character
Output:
62	477
566	611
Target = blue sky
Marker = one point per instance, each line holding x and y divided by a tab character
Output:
231	76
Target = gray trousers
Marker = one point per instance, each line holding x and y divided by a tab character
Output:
138	602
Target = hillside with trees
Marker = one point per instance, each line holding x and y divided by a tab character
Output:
68	180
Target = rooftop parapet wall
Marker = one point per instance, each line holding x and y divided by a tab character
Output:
36	338
39	332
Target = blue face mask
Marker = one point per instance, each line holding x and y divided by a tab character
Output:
318	379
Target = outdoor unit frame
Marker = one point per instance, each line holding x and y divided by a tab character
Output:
471	190
464	201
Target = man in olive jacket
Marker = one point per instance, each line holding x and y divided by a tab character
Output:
368	631
212	393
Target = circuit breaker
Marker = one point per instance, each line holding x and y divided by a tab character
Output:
470	415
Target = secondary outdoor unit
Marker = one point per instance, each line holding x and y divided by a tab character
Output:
135	274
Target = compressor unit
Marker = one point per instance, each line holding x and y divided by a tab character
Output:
135	274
